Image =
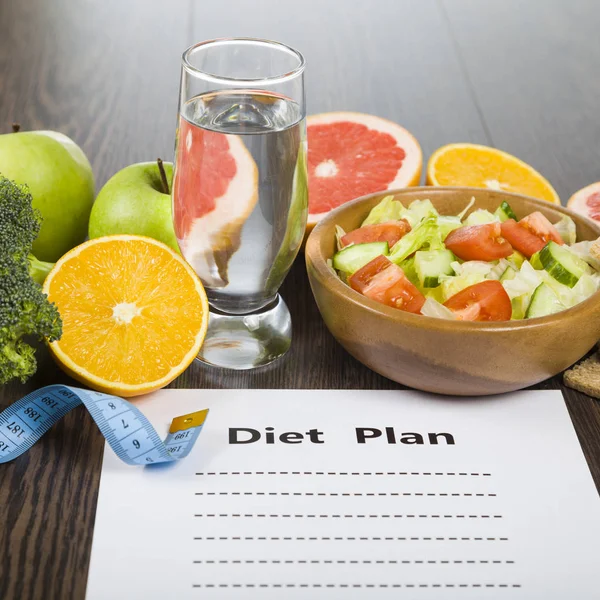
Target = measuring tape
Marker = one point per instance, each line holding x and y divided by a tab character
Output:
125	428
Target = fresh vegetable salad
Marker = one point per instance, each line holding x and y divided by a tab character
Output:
485	267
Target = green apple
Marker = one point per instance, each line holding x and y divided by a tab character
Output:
61	182
134	201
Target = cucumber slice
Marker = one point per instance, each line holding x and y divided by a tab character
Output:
408	266
351	259
562	264
509	273
505	212
543	302
431	264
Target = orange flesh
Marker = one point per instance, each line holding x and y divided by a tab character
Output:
131	311
486	168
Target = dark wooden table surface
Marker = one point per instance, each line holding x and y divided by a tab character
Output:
522	76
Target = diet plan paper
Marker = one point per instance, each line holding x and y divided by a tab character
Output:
353	494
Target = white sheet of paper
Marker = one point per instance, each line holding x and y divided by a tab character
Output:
507	511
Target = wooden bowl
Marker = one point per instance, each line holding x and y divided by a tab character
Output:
442	356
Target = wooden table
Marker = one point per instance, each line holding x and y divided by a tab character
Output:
521	76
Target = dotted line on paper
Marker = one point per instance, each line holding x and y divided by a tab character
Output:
340	473
315	516
356	585
352	539
340	494
355	562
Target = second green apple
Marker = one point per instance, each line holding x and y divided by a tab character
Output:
133	201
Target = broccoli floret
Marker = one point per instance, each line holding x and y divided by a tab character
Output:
24	308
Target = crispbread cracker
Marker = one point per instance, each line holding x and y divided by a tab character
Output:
595	249
585	377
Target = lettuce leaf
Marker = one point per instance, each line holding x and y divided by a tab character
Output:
418	211
480	217
339	234
498	270
432	308
387	210
516	259
448	224
473	267
527	279
466	209
425	234
567	229
453	285
524	282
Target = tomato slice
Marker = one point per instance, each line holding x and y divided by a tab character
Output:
521	238
539	225
360	279
385	282
531	233
478	242
389	232
485	301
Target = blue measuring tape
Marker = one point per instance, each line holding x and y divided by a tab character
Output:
125	428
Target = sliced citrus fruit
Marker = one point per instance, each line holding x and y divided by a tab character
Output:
352	154
134	314
478	166
586	201
215	188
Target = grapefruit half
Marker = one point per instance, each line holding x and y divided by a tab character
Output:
215	188
586	201
352	154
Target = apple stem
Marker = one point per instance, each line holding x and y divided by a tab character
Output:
163	176
16	127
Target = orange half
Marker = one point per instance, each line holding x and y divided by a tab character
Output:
478	166
134	314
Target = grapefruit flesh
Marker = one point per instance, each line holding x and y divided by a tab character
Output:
593	203
354	154
215	190
586	201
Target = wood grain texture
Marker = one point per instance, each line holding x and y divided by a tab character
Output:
106	74
532	68
394	58
518	75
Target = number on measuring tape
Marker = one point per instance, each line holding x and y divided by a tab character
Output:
125	428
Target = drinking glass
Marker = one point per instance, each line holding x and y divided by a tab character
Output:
240	194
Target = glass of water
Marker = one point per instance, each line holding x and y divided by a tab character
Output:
240	194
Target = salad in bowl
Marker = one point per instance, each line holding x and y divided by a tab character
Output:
473	266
